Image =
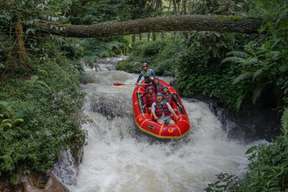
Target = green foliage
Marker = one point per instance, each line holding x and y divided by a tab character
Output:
128	66
200	72
263	63
219	7
284	122
37	108
158	53
97	48
38	113
261	67
88	12
141	52
268	170
24	13
31	9
270	9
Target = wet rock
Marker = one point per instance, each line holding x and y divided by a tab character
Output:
249	124
110	107
34	183
5	187
42	183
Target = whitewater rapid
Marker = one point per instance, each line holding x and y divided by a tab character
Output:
119	158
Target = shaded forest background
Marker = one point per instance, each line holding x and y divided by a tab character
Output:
40	75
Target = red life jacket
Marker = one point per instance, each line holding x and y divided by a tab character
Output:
161	108
149	99
167	97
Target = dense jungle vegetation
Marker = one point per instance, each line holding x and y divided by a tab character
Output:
40	95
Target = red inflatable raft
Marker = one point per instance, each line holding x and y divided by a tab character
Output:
145	122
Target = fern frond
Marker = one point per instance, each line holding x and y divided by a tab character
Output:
257	74
243	76
239	102
257	93
233	60
251	61
44	84
284	122
283	68
240	54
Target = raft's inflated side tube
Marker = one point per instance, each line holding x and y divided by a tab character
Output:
145	122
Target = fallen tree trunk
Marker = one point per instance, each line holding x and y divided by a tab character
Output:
155	24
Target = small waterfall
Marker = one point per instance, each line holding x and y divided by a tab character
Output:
119	158
66	169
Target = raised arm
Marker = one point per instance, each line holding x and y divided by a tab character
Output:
171	110
139	78
153	73
175	98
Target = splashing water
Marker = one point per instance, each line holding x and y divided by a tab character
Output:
119	158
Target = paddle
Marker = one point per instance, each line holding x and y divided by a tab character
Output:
117	83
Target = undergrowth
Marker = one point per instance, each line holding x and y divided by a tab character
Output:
39	113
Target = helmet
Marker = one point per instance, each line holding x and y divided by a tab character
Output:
159	94
145	64
165	88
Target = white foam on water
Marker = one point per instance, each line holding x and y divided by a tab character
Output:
116	160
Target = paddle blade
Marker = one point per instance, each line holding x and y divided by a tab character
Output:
118	83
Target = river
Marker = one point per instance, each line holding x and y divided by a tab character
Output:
119	158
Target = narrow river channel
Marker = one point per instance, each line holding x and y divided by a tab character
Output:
119	158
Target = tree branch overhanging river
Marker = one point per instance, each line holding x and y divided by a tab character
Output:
216	23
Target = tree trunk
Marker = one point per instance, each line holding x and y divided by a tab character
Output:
20	49
174	7
154	37
148	36
155	24
162	35
184	7
133	38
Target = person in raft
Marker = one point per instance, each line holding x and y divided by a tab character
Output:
158	86
167	95
147	73
162	110
149	97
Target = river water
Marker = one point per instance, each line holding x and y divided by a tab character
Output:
119	158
